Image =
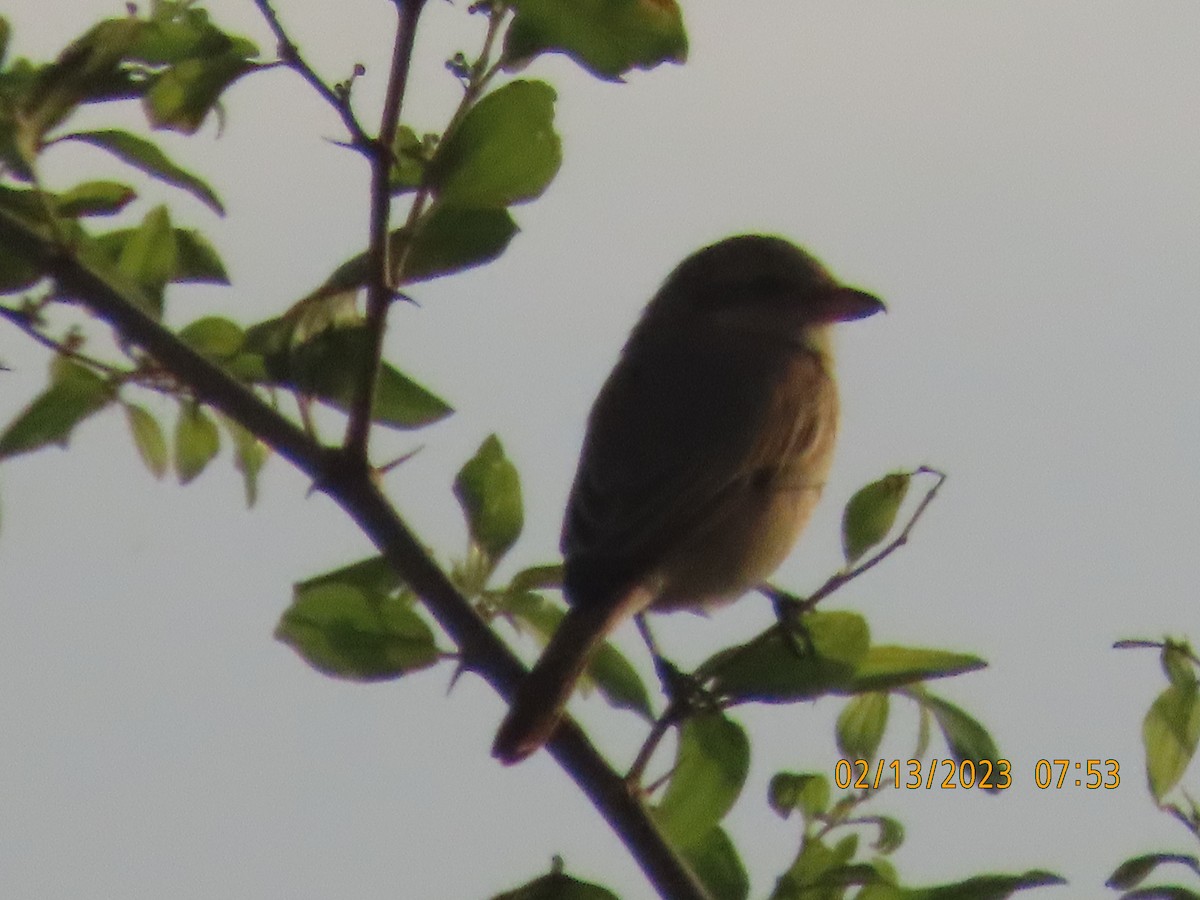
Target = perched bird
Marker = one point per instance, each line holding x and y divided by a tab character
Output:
705	454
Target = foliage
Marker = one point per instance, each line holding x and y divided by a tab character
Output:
1170	733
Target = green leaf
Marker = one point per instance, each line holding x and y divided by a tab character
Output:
149	256
196	441
530	611
488	489
198	262
891	834
535	577
861	724
328	366
155	254
790	791
1177	664
372	575
183	95
619	681
147	157
609	671
148	438
411	155
778	669
870	514
715	861
1134	871
504	150
400	402
886	667
1162	892
453	238
89	69
17	272
178	29
249	456
986	887
1169	733
308	319
74	394
711	763
965	736
349	633
820	871
448	239
886	889
94	198
606	37
19	144
24	204
213	336
356	271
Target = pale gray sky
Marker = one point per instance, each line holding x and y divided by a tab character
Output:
1019	180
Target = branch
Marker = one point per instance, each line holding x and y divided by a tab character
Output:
379	283
483	652
351	486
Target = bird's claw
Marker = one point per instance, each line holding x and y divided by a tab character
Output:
790	611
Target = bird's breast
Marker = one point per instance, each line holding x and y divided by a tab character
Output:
760	513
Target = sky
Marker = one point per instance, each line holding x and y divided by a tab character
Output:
1018	180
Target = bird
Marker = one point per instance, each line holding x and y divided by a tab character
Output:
704	455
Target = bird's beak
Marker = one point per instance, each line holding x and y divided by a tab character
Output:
843	304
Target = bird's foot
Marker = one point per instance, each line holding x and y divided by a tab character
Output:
685	693
790	611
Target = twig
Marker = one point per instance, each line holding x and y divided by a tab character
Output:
379	284
23	322
291	57
840	578
672	715
481	73
1189	823
1140	643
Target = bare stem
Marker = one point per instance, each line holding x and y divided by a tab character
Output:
291	57
658	731
482	73
23	322
379	284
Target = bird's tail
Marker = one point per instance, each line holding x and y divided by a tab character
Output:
542	697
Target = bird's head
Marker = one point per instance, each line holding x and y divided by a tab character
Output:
758	283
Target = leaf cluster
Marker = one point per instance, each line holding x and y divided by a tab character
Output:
1170	734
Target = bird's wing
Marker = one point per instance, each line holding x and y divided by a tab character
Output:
671	432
